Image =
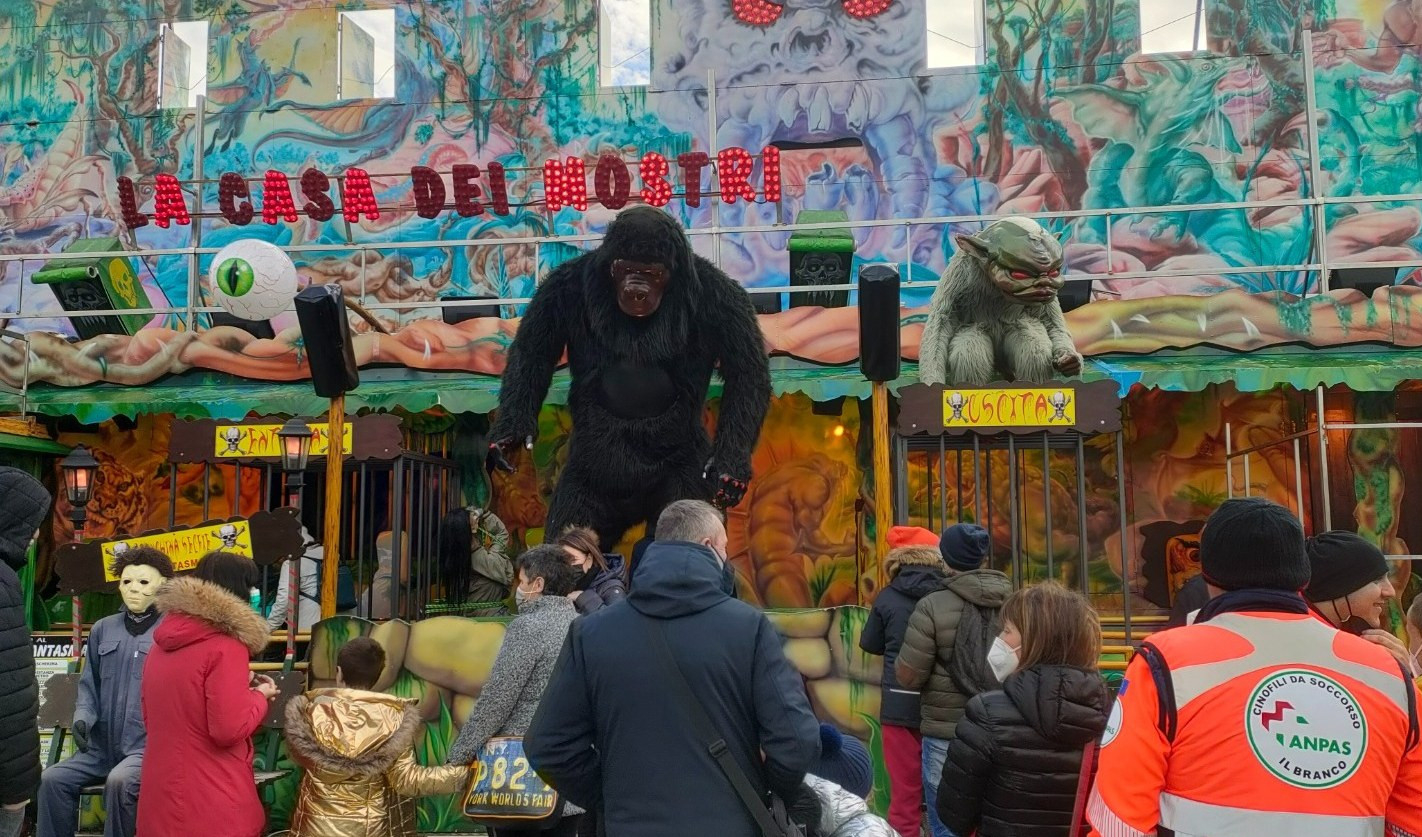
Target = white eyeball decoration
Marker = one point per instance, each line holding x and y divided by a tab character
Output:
253	280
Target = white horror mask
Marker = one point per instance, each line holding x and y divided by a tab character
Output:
138	585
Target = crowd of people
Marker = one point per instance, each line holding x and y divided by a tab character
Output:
654	702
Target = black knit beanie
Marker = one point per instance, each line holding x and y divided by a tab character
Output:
1251	543
1342	562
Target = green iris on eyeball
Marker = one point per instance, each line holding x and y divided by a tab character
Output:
235	277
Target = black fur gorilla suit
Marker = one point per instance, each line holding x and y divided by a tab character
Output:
639	379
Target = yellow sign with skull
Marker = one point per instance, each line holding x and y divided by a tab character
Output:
1009	407
186	546
260	441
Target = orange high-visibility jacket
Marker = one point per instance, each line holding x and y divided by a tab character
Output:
1261	725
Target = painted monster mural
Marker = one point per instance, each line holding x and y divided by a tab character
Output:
1065	114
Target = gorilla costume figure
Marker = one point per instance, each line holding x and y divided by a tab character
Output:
644	321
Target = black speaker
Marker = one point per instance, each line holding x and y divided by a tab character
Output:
879	322
260	329
766	303
326	335
1363	279
1073	295
456	314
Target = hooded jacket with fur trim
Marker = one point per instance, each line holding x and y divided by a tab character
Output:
361	777
200	712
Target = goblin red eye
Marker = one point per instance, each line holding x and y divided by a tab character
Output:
757	12
1017	274
866	8
1054	274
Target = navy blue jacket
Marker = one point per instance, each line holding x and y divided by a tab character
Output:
610	735
883	635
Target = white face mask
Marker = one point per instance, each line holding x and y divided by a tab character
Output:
138	586
1002	658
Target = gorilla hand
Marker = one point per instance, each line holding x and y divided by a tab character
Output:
729	490
497	457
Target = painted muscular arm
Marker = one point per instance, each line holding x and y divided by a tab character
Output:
745	369
1399	30
537	346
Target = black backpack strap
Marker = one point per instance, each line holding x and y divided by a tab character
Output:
1166	717
715	743
320	571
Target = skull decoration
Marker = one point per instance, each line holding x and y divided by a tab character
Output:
233	437
138	585
228	534
1059	402
120	548
956	401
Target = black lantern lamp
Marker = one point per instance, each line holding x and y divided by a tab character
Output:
79	467
295	438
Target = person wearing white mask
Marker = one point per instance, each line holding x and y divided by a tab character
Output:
1014	766
524	665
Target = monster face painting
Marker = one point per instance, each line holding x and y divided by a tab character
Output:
815	72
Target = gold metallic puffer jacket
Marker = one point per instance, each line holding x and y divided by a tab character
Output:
361	777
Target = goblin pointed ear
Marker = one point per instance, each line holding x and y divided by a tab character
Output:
973	246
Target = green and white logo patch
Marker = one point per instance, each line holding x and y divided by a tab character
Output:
1306	728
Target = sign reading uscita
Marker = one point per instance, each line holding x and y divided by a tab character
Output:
1009	408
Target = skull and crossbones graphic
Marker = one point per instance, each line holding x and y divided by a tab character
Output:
956	402
1059	402
120	548
233	436
228	534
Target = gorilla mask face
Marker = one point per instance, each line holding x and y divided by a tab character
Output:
639	286
138	585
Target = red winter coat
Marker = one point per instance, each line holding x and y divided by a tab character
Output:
200	714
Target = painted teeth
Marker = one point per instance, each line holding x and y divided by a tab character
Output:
820	111
857	114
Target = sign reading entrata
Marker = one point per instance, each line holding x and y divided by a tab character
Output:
1067	406
185	546
238	441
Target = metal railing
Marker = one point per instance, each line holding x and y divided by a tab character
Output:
1319	265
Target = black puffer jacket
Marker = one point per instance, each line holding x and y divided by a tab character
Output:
607	587
23	506
1013	769
884	635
